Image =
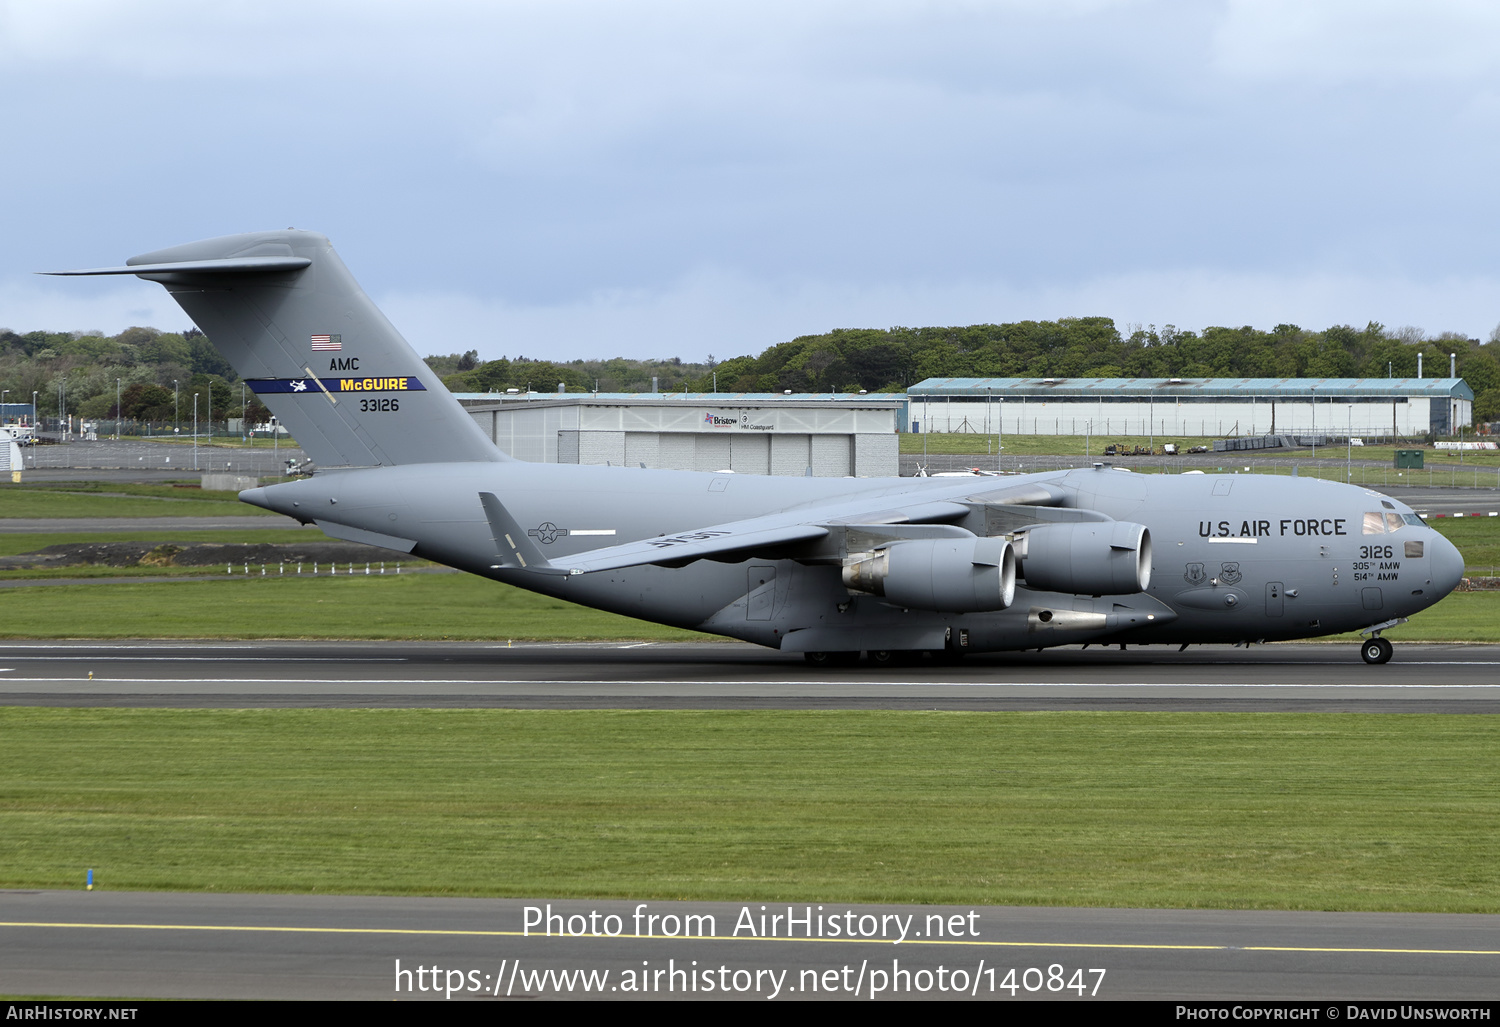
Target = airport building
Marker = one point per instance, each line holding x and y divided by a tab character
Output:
1209	407
836	435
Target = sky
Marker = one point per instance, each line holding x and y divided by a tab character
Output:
586	179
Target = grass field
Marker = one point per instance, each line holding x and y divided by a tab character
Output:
94	499
1478	538
1302	811
433	606
437	606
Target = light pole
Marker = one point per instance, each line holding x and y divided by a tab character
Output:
176	420
195	431
3	394
1315	426
117	410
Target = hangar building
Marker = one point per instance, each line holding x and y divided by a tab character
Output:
1378	407
837	435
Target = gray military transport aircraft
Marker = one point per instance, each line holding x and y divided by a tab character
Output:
826	567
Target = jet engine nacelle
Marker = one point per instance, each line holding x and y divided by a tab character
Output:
948	575
1099	558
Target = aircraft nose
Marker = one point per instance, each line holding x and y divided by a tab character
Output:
1447	564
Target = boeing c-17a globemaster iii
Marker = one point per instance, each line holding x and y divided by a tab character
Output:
826	567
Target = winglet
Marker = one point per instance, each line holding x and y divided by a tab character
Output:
512	545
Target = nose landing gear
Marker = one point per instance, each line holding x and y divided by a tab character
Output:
1376	650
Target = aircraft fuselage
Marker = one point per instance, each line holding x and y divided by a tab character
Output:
1236	558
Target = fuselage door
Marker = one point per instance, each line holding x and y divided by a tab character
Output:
1273	599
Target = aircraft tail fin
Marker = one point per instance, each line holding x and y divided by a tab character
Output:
289	317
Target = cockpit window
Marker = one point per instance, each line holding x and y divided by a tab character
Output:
1412	519
1392	522
1387	505
1374	523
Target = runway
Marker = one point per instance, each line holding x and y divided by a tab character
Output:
167	945
1292	677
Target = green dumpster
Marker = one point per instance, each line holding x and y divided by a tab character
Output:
1408	459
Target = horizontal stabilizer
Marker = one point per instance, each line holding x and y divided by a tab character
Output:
513	547
229	265
287	315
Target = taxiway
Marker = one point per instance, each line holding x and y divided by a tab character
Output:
167	945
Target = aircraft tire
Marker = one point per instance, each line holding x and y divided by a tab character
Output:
1377	650
895	657
832	659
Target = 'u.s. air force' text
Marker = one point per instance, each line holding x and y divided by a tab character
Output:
1263	529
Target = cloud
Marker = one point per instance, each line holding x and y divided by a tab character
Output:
1370	42
569	170
87	305
721	313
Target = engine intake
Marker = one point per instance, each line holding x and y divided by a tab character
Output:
948	575
1087	558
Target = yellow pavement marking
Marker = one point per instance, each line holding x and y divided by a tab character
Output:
724	937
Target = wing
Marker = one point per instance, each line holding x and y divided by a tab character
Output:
802	532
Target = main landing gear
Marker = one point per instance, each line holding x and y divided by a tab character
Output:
832	659
1376	650
882	657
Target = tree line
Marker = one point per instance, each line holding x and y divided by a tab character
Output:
155	375
84	369
892	359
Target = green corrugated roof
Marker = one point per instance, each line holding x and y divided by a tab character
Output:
689	397
1229	388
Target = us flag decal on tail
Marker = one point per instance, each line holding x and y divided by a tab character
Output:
327	343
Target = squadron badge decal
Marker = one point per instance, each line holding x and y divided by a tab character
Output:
1229	573
1195	574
